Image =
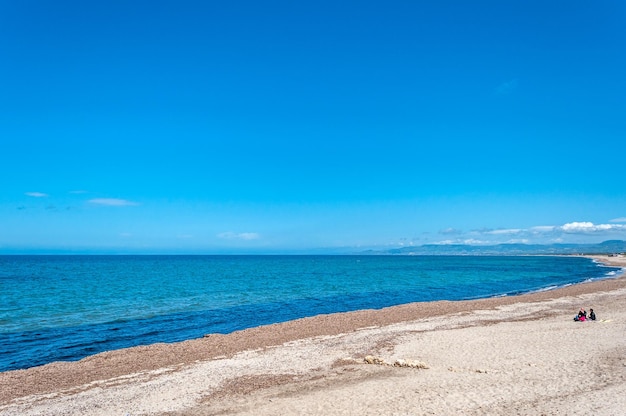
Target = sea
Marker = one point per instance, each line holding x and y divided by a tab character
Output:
64	308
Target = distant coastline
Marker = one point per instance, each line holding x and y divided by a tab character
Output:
609	247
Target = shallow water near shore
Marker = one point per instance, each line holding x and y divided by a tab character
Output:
68	307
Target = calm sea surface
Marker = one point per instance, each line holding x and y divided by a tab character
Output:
68	307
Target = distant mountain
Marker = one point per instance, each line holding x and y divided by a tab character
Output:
606	247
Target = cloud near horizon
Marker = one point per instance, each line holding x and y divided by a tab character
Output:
576	227
589	227
539	229
229	235
536	233
112	202
508	231
450	231
36	194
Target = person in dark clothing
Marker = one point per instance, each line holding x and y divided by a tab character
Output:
592	314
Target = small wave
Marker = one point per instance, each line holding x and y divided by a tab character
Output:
499	295
612	274
552	287
546	289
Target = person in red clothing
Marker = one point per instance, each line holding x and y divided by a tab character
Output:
582	315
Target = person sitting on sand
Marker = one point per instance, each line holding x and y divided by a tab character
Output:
592	314
582	315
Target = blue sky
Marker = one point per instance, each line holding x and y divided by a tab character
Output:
280	126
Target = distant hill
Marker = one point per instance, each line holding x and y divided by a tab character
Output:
606	247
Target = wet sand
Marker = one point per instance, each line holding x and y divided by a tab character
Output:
509	355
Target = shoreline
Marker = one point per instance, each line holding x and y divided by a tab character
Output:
60	383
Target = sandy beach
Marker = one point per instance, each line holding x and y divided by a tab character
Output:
521	355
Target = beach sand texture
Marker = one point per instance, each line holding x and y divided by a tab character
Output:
521	355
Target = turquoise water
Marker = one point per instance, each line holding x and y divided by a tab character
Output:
68	307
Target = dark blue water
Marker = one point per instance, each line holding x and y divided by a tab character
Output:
68	307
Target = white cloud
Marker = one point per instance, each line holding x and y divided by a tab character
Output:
36	194
450	231
620	219
507	87
518	241
112	202
589	227
505	231
229	235
445	242
469	241
402	244
539	229
473	241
